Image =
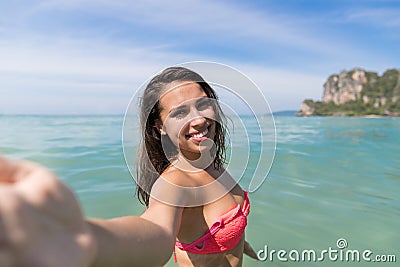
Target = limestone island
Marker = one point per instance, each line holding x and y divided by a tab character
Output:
357	93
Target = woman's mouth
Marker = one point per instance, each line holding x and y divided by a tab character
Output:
199	136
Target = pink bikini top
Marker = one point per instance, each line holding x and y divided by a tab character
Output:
224	234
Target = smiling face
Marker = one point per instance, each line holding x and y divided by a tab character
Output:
188	118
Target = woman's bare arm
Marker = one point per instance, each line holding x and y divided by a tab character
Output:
147	240
41	224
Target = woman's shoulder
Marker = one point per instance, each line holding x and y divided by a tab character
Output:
178	177
173	187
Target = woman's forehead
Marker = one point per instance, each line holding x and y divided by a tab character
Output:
177	93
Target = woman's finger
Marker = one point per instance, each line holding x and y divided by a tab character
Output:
12	171
7	170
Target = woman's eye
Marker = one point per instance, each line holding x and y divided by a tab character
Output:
179	114
204	104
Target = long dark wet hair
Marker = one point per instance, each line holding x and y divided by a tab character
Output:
153	155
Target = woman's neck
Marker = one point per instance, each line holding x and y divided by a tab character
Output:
204	162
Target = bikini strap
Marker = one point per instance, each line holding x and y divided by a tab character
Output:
246	204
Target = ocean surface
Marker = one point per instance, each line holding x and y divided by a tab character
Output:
334	184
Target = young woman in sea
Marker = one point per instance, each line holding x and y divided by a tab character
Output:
194	207
183	130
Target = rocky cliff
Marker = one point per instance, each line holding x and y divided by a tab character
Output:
357	92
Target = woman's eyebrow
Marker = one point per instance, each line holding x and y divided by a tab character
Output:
202	98
185	105
177	108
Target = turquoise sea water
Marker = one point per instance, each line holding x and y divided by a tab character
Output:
331	178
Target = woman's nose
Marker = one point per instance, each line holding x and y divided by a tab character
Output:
197	120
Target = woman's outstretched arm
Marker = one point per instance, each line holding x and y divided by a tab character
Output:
41	224
147	240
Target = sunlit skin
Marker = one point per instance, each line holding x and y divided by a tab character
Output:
185	111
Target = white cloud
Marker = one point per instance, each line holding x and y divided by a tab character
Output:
285	89
381	17
44	71
218	21
73	59
39	78
45	79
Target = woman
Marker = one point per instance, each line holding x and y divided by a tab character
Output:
193	205
184	141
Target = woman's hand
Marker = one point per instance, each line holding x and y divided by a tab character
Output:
41	223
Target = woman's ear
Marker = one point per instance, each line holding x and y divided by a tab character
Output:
159	127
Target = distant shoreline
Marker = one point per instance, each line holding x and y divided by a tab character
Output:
285	113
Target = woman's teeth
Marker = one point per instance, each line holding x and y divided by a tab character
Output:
199	135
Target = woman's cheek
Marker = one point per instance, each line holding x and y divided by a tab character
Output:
175	128
209	114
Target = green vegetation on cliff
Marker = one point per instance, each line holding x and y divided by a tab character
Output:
357	93
351	108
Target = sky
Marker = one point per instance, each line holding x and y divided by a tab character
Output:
90	56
